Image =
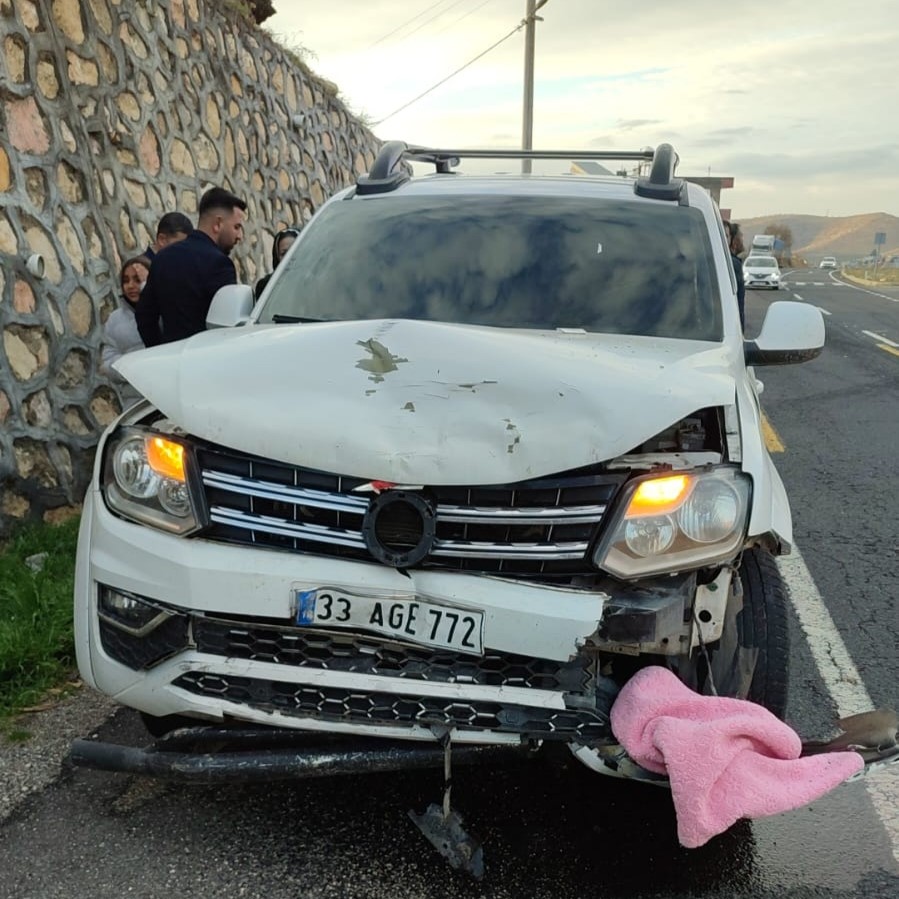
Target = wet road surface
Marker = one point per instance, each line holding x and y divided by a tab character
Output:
550	829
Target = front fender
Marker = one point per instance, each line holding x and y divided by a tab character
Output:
771	515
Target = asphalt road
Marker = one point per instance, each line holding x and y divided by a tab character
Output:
838	418
556	830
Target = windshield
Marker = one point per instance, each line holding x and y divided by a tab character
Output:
761	262
517	262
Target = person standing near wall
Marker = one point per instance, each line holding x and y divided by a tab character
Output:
184	279
172	227
283	242
735	245
120	334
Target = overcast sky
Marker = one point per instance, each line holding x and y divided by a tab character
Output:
797	100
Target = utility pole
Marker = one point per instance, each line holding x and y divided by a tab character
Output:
527	119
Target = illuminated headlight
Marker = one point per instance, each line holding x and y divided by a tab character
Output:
676	522
146	480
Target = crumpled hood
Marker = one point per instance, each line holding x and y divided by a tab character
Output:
425	402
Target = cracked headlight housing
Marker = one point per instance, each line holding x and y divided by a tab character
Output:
146	479
675	522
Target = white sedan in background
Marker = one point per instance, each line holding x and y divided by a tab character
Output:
761	271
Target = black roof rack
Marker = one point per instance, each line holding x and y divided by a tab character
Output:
387	173
661	183
452	157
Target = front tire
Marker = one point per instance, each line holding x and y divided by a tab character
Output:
763	624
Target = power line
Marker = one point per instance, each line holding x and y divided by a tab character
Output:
464	15
407	22
470	62
435	16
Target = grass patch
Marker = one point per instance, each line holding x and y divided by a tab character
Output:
37	649
884	274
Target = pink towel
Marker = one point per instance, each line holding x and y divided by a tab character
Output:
726	759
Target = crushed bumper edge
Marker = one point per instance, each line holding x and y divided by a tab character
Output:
171	759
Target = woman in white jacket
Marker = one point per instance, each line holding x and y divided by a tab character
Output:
120	334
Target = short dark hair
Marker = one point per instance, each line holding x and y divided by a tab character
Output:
173	223
219	198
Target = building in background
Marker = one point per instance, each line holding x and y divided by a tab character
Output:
714	186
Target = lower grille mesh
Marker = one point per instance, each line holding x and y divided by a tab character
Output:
307	648
361	707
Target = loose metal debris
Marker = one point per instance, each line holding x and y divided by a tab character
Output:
443	827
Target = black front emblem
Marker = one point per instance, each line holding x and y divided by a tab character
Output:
399	528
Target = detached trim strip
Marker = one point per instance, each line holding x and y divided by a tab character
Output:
539	516
447	548
300	496
538	551
315	533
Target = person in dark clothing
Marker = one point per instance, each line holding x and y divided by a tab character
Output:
735	245
172	227
184	278
283	241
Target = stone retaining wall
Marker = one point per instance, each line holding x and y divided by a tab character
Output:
113	112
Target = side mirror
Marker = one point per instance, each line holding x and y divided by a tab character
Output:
231	306
791	332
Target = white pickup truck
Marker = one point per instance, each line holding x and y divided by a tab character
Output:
474	459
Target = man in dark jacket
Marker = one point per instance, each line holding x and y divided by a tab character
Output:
184	279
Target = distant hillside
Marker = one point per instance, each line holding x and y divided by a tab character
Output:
846	237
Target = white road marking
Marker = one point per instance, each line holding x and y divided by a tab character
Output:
873	293
823	311
880	339
798	297
842	680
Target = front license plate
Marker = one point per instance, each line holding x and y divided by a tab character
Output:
416	620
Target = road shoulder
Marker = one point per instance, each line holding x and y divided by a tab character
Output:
29	765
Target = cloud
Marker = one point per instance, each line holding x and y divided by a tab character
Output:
881	160
807	95
631	124
725	137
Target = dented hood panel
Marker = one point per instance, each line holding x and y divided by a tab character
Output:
426	402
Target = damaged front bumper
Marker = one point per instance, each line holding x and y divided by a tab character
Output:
253	755
225	650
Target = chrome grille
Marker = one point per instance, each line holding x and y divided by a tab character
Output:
539	527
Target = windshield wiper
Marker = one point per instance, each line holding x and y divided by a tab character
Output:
279	319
